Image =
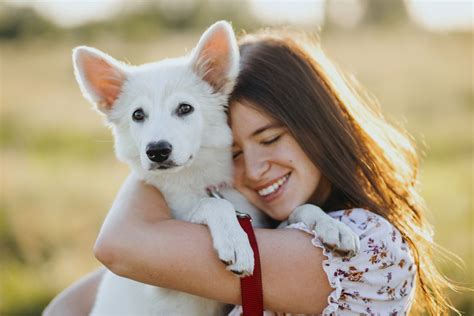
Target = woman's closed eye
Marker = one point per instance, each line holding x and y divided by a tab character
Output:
271	140
236	154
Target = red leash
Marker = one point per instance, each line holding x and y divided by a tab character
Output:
251	286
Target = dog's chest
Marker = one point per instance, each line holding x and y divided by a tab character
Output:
182	203
183	190
181	195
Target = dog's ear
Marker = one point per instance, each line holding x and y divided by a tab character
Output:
216	57
100	77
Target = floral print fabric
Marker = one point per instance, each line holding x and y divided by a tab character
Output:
379	280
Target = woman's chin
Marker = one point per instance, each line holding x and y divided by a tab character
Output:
275	209
278	214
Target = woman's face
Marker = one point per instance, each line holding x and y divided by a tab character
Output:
271	169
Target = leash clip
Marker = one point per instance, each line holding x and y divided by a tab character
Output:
243	215
213	191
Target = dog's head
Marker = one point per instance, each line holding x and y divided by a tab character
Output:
164	113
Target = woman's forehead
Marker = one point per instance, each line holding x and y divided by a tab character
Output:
243	116
240	110
247	122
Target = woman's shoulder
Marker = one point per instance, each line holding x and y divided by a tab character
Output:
366	223
380	277
380	241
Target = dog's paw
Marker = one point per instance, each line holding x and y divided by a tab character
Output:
229	239
334	235
234	250
337	238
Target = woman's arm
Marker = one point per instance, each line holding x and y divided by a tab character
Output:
77	299
140	241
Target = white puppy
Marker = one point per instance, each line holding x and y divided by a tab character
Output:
170	127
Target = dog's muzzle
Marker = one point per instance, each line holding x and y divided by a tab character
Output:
159	151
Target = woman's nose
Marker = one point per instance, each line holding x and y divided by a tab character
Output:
255	166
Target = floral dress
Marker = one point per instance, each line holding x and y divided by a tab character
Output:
379	280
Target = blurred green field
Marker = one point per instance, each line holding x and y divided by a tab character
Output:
59	174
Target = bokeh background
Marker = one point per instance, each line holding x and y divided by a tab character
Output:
58	171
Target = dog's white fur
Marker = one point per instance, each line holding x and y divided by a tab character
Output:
201	144
200	157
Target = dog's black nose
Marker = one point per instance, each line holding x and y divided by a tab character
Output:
159	152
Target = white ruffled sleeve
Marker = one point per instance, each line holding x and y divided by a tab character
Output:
379	280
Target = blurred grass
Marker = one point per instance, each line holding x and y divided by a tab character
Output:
59	174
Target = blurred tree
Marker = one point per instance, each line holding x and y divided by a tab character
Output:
18	22
353	13
135	20
384	12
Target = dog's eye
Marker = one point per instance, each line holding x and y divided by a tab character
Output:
138	115
184	109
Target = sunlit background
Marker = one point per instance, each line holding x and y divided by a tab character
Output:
58	171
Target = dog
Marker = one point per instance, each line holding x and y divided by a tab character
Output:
170	126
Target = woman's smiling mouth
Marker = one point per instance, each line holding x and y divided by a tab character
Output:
273	188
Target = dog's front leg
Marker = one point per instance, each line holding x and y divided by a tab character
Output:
228	238
335	236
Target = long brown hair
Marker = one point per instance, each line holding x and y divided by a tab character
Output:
367	162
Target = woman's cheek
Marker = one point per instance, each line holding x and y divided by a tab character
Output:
239	182
238	174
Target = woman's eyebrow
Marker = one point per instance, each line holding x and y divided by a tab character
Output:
265	127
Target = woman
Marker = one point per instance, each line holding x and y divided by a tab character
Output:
299	124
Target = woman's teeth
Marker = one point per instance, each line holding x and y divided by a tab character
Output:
273	187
